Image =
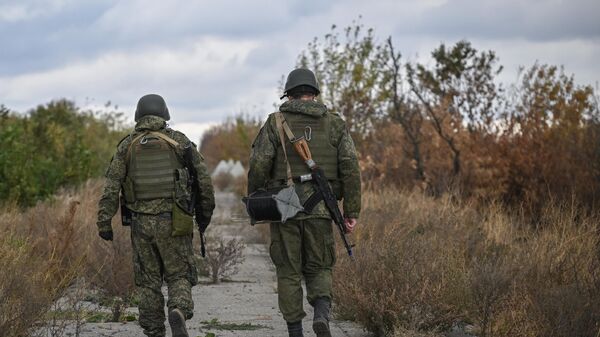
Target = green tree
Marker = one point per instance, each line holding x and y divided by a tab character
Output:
348	67
53	146
458	91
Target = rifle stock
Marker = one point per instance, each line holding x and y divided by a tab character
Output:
301	147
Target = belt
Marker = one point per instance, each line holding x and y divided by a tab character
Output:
167	215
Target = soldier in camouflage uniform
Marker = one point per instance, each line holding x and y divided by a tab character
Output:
149	168
304	246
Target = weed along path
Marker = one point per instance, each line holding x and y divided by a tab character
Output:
243	305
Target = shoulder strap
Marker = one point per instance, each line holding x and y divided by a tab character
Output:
138	137
135	139
165	138
300	144
287	129
160	135
279	120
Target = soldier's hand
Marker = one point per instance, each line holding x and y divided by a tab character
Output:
349	223
106	235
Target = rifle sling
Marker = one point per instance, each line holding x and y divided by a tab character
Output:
282	124
281	128
313	201
287	129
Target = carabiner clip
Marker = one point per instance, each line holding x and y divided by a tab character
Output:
308	133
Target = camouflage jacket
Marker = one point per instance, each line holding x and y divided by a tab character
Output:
264	151
117	171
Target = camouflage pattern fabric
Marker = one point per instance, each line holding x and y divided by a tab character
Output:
302	248
264	151
156	256
117	170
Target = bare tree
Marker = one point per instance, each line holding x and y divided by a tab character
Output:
405	113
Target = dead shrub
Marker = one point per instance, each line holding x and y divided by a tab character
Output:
223	256
424	265
560	276
108	265
56	242
408	267
489	283
30	282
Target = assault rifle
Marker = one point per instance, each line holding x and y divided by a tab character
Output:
323	187
189	164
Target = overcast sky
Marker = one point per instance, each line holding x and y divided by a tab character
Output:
213	59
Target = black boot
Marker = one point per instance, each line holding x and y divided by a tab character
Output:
322	306
295	329
177	322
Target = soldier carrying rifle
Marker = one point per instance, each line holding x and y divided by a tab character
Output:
305	154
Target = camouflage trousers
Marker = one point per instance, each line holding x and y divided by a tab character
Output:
302	248
158	256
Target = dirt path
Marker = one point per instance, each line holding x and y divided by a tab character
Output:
246	306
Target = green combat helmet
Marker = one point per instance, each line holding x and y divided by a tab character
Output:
152	105
300	77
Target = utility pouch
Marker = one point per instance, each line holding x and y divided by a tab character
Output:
128	191
182	222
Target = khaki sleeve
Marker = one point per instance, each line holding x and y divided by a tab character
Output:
206	199
109	201
349	171
262	156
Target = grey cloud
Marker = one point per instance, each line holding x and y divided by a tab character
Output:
175	19
48	41
83	30
270	54
542	20
277	32
309	7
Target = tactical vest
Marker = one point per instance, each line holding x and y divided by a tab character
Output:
152	165
317	132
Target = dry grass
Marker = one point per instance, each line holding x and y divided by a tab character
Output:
424	265
29	283
45	248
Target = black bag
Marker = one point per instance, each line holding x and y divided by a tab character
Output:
273	205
